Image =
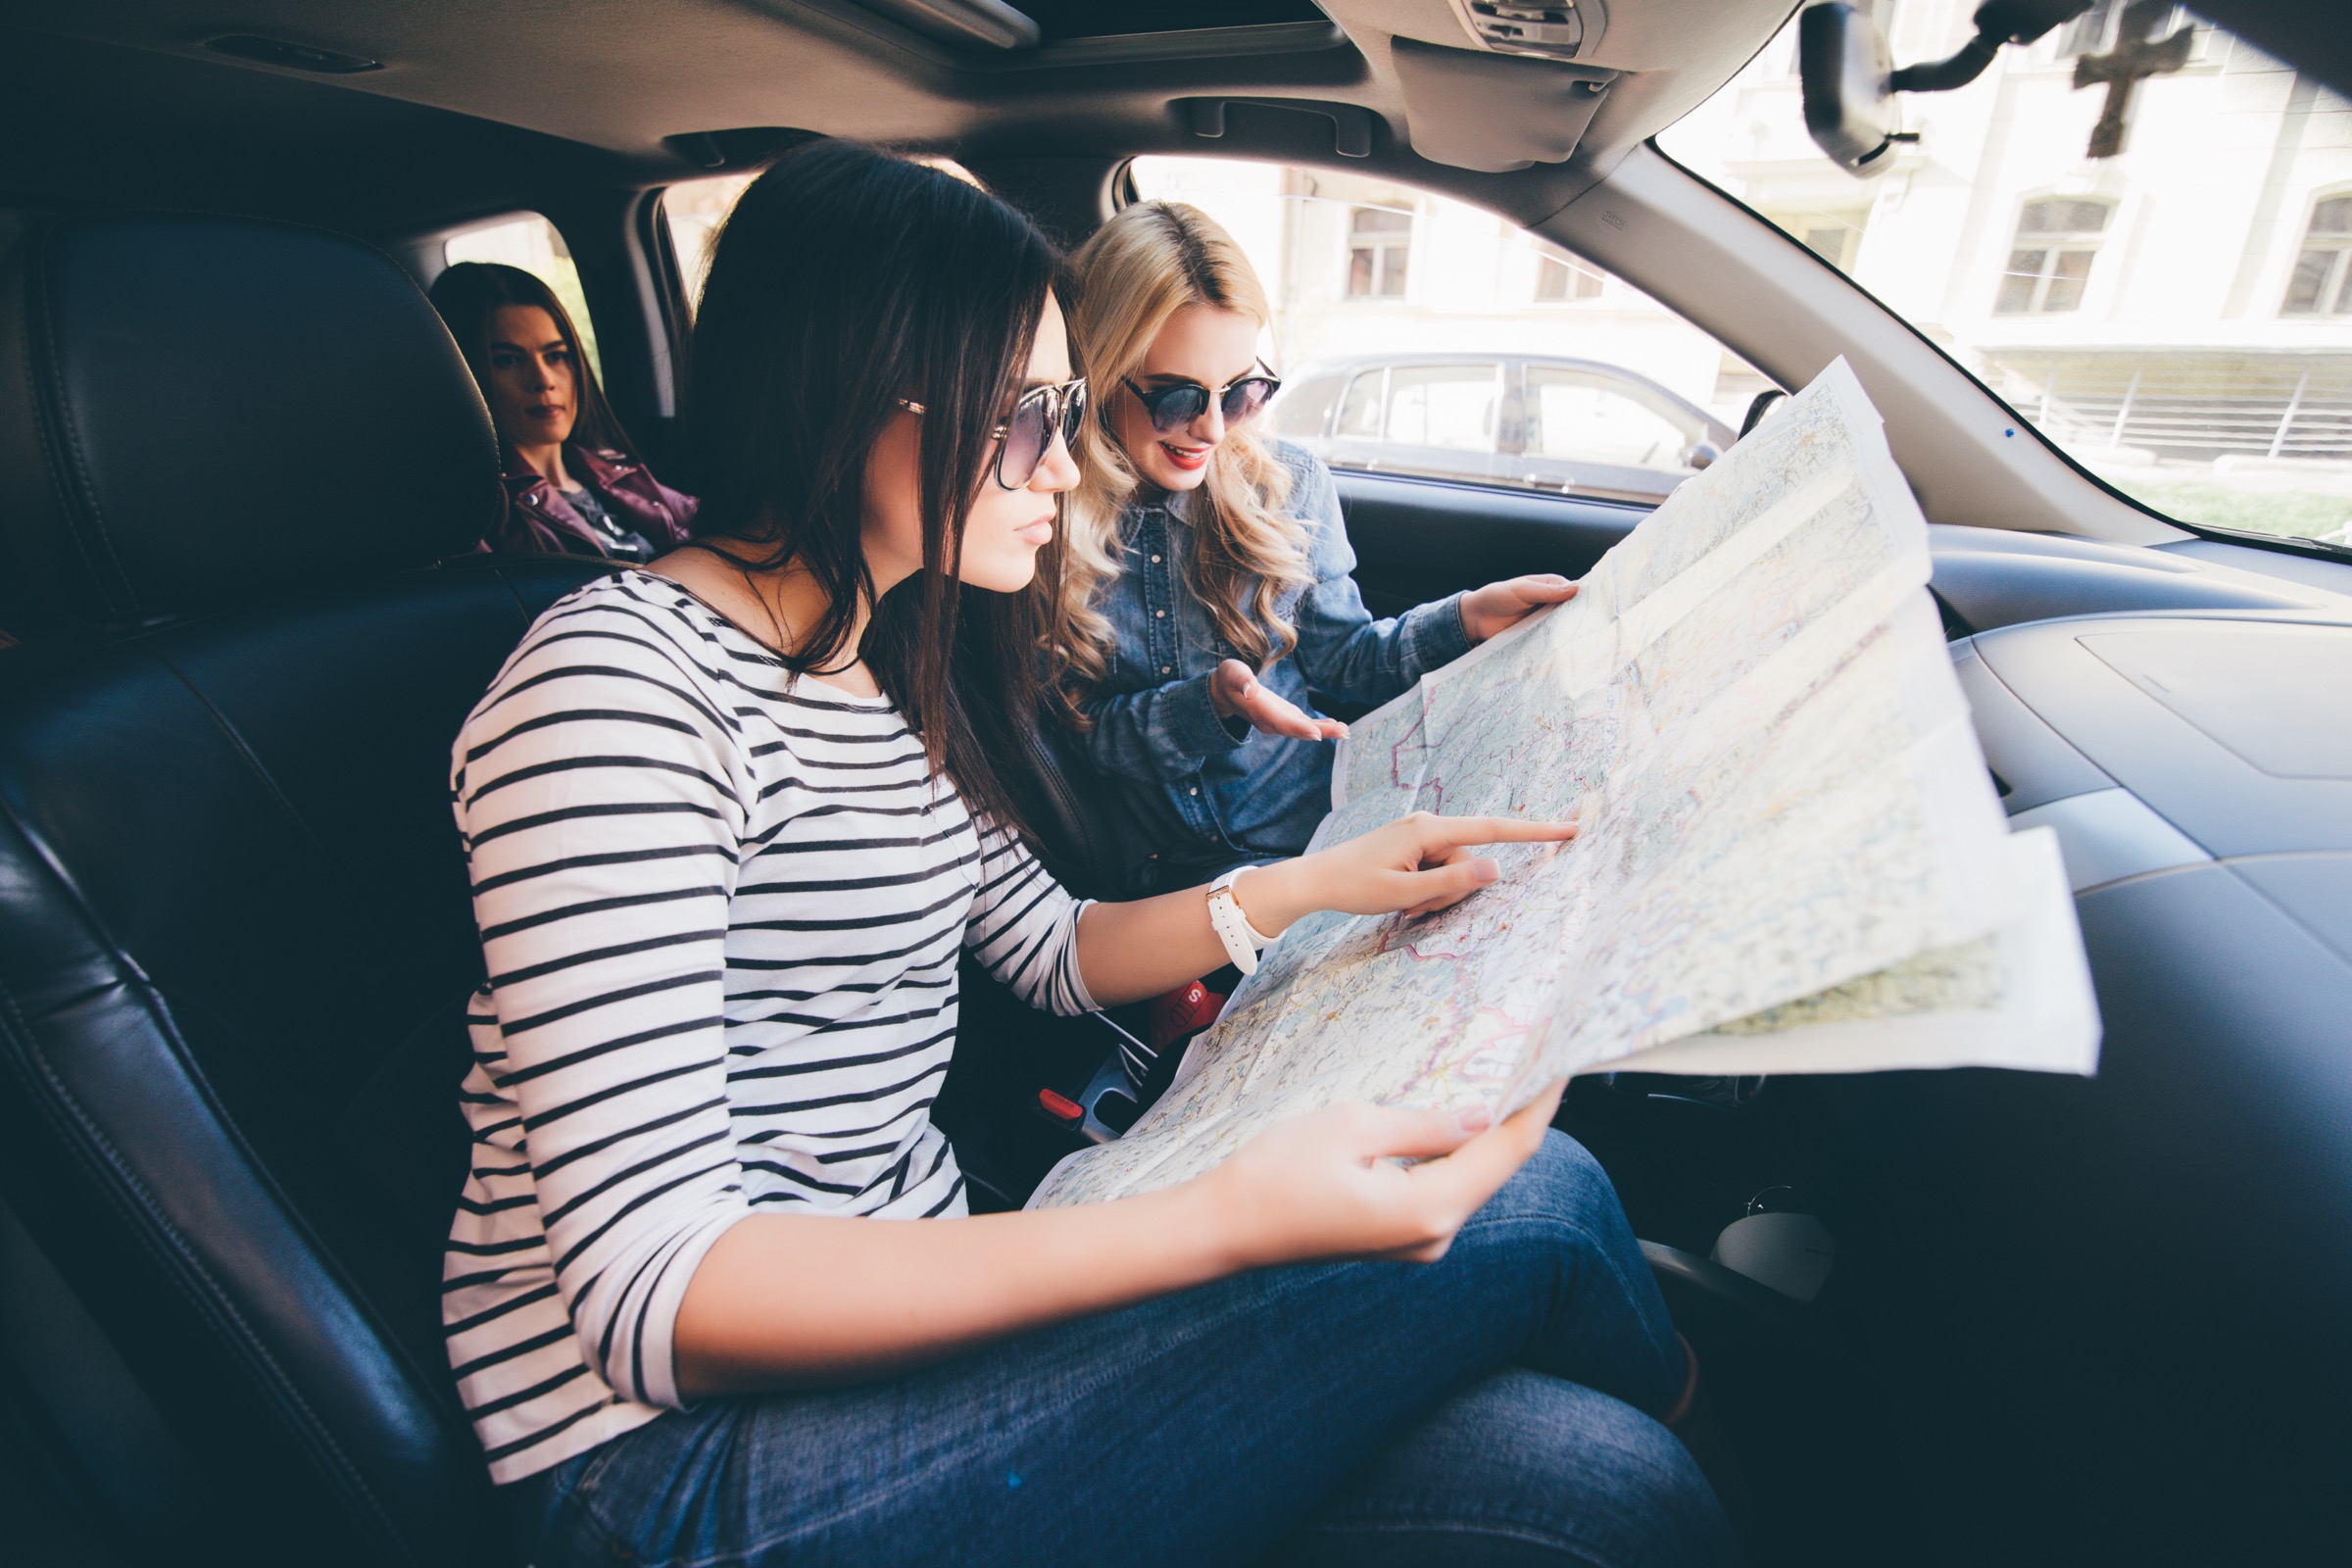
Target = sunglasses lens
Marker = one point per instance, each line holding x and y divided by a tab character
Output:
1244	399
1175	407
1026	438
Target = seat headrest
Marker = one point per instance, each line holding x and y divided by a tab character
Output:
196	410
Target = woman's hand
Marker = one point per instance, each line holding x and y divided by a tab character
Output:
785	1300
1236	692
1325	1185
1416	864
1128	952
1500	605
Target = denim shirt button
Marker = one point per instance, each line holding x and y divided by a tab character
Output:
1161	614
1194	790
1168	669
1156	560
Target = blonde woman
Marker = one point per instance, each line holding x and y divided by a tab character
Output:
1206	600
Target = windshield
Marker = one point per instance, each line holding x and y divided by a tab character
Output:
2177	316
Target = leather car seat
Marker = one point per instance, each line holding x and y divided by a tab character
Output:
241	467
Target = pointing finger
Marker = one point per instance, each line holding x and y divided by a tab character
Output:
1463	830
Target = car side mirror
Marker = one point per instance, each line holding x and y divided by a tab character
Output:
1849	86
1759	405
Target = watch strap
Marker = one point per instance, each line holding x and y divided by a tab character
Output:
1231	923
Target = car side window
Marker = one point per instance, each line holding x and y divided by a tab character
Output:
1415	334
1573	415
1306	407
694	209
1452	406
1367	409
533	243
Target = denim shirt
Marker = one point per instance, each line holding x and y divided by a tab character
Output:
1202	792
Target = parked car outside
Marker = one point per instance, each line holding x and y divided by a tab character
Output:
1581	426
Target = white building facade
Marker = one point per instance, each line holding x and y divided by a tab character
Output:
2178	316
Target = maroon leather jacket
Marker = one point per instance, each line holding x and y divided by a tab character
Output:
540	520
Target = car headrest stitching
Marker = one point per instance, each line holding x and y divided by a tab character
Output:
52	427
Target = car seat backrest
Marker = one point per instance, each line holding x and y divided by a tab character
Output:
235	935
193	411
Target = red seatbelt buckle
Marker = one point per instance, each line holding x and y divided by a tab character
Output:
1186	1011
1062	1107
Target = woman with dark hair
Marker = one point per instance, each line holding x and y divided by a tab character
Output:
574	482
730	821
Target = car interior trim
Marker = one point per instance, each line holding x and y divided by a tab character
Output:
2107	835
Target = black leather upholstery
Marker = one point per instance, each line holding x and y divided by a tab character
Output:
235	938
200	410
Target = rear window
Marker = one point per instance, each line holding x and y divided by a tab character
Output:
533	243
694	209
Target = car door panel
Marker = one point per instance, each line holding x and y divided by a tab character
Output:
1420	539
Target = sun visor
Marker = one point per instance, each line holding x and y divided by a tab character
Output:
1493	113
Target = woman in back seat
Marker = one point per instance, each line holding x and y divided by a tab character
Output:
729	823
574	483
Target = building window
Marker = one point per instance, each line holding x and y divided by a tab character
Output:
1379	242
2320	285
2096	31
1834	243
1559	279
2056	239
2087	33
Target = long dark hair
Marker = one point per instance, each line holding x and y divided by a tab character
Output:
846	280
468	293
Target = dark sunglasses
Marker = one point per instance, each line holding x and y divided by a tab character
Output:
1043	412
1172	408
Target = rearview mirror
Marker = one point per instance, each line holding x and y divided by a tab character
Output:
1850	101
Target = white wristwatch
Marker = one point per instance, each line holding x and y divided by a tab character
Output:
1225	915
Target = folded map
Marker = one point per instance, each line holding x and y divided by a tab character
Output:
1791	856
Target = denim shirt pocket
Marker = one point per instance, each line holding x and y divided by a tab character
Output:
1163	626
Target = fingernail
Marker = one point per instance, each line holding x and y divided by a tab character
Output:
1477	1119
1486	870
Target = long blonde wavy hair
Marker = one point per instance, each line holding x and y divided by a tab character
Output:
1137	270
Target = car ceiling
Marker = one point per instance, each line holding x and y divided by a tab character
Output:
481	102
486	105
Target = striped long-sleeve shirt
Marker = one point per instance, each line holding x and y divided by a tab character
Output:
721	911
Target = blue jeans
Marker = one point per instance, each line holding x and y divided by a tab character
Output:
1492	1407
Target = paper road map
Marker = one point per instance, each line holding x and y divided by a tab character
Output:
1790	856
